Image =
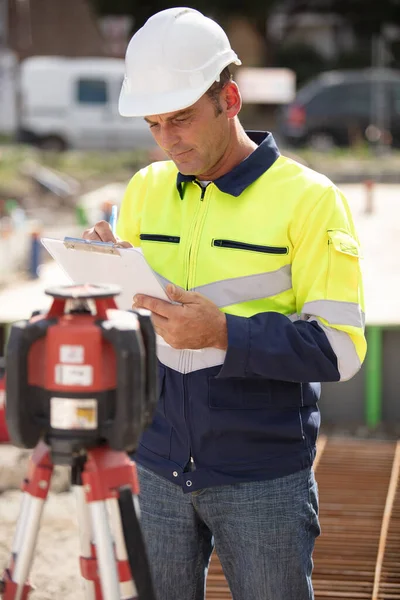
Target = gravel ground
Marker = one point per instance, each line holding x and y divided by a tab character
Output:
55	570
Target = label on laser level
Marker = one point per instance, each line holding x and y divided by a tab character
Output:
2	398
72	354
74	375
72	413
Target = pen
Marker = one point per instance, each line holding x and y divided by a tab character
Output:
113	219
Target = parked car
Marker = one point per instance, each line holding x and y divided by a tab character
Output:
339	107
73	103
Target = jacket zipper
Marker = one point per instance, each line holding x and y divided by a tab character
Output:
153	237
197	225
185	394
252	247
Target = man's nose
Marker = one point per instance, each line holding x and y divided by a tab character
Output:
168	137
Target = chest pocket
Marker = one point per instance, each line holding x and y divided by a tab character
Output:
156	237
236	245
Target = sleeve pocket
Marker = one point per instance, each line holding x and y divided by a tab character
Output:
343	276
344	242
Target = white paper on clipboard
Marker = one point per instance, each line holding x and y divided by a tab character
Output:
97	263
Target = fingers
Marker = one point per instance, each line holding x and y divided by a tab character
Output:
154	305
90	234
122	244
178	294
161	326
159	323
101	231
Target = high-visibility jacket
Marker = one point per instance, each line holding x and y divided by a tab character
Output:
273	245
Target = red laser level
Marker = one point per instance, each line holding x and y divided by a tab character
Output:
81	387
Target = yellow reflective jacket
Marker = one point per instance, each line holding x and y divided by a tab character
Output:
273	244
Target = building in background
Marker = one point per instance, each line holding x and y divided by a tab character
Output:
328	34
51	27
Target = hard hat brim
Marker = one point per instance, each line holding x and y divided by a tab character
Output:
133	104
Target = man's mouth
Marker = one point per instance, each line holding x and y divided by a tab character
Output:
180	154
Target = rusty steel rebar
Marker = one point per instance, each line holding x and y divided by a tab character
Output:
358	553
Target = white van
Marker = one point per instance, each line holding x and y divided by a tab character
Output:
73	103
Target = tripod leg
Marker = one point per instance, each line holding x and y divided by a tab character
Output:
104	550
127	587
111	476
35	489
20	526
88	556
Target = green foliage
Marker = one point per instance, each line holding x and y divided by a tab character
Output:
303	59
356	59
256	11
83	166
365	16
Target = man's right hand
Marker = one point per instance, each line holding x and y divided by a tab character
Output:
101	232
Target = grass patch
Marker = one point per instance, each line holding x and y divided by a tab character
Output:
98	167
82	166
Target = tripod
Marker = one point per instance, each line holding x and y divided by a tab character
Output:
113	560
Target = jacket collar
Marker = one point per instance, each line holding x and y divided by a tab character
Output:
240	177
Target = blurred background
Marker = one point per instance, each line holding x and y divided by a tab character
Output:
324	77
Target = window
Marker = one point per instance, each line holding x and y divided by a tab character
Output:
92	91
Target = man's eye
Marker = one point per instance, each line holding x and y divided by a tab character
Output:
182	120
153	125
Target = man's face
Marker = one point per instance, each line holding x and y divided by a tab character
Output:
194	138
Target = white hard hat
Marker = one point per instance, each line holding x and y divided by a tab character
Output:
172	61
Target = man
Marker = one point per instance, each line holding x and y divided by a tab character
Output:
262	265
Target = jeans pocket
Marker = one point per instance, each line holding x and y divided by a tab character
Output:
313	502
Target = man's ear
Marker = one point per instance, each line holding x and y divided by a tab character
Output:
232	99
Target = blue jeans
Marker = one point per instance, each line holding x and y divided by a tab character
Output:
263	531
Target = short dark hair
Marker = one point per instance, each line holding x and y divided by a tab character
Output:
213	92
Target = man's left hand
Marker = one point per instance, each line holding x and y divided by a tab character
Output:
194	323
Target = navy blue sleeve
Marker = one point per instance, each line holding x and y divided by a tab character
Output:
270	345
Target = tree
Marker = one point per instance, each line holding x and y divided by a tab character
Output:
366	17
256	11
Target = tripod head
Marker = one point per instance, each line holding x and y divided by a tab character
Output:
81	376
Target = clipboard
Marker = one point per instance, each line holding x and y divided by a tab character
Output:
86	261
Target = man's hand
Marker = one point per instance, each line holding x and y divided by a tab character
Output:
101	232
195	323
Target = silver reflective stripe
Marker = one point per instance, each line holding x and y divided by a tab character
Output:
187	361
336	312
247	288
242	289
343	347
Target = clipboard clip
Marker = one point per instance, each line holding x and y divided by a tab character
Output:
72	243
